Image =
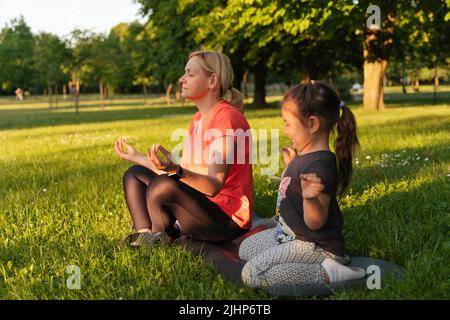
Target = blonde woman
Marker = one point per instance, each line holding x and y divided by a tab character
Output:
206	196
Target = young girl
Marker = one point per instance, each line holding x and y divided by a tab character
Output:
307	246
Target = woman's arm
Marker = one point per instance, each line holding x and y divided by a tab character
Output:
134	156
213	178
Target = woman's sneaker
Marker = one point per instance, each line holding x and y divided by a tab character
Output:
149	239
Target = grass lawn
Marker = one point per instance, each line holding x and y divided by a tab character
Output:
61	201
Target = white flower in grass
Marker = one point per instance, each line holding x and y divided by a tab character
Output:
45	190
448	175
368	157
418	158
426	159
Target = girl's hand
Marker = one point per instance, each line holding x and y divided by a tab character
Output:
166	165
288	154
311	186
129	154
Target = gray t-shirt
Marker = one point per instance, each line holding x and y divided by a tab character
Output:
290	200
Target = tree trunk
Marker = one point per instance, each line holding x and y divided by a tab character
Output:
377	49
403	79
373	84
417	86
260	71
77	96
238	76
50	96
56	96
245	83
436	85
102	105
144	91
168	91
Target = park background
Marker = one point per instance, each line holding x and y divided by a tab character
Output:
61	199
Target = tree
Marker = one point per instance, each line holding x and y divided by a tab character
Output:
51	56
283	37
172	42
16	56
399	21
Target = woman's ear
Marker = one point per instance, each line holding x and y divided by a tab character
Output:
313	124
213	82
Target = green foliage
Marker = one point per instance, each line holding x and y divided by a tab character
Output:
51	57
16	56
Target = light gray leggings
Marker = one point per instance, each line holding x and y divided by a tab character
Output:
293	263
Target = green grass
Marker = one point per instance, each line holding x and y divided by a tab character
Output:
61	202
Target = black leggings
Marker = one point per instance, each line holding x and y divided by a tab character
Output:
157	202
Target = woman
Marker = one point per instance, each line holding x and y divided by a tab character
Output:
206	196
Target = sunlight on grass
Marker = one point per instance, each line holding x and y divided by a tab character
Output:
62	202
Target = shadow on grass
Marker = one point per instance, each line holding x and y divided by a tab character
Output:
413	124
36	120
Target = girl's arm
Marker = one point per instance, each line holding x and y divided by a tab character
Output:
315	203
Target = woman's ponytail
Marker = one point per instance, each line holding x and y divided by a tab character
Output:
237	100
345	146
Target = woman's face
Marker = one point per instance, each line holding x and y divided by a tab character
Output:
195	83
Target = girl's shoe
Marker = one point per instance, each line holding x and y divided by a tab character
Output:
340	273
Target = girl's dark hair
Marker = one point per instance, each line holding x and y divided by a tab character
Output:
319	99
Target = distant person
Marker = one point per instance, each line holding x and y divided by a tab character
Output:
307	245
19	94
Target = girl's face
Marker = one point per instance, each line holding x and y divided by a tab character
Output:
195	83
297	132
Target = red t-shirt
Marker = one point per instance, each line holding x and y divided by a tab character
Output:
236	196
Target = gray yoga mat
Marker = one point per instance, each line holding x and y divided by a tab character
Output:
224	257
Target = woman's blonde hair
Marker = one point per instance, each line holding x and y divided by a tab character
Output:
214	62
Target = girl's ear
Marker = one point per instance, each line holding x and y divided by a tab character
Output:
313	124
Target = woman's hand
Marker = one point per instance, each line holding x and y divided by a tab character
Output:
311	186
166	165
129	154
288	154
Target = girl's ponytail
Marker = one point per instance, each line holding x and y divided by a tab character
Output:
345	146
